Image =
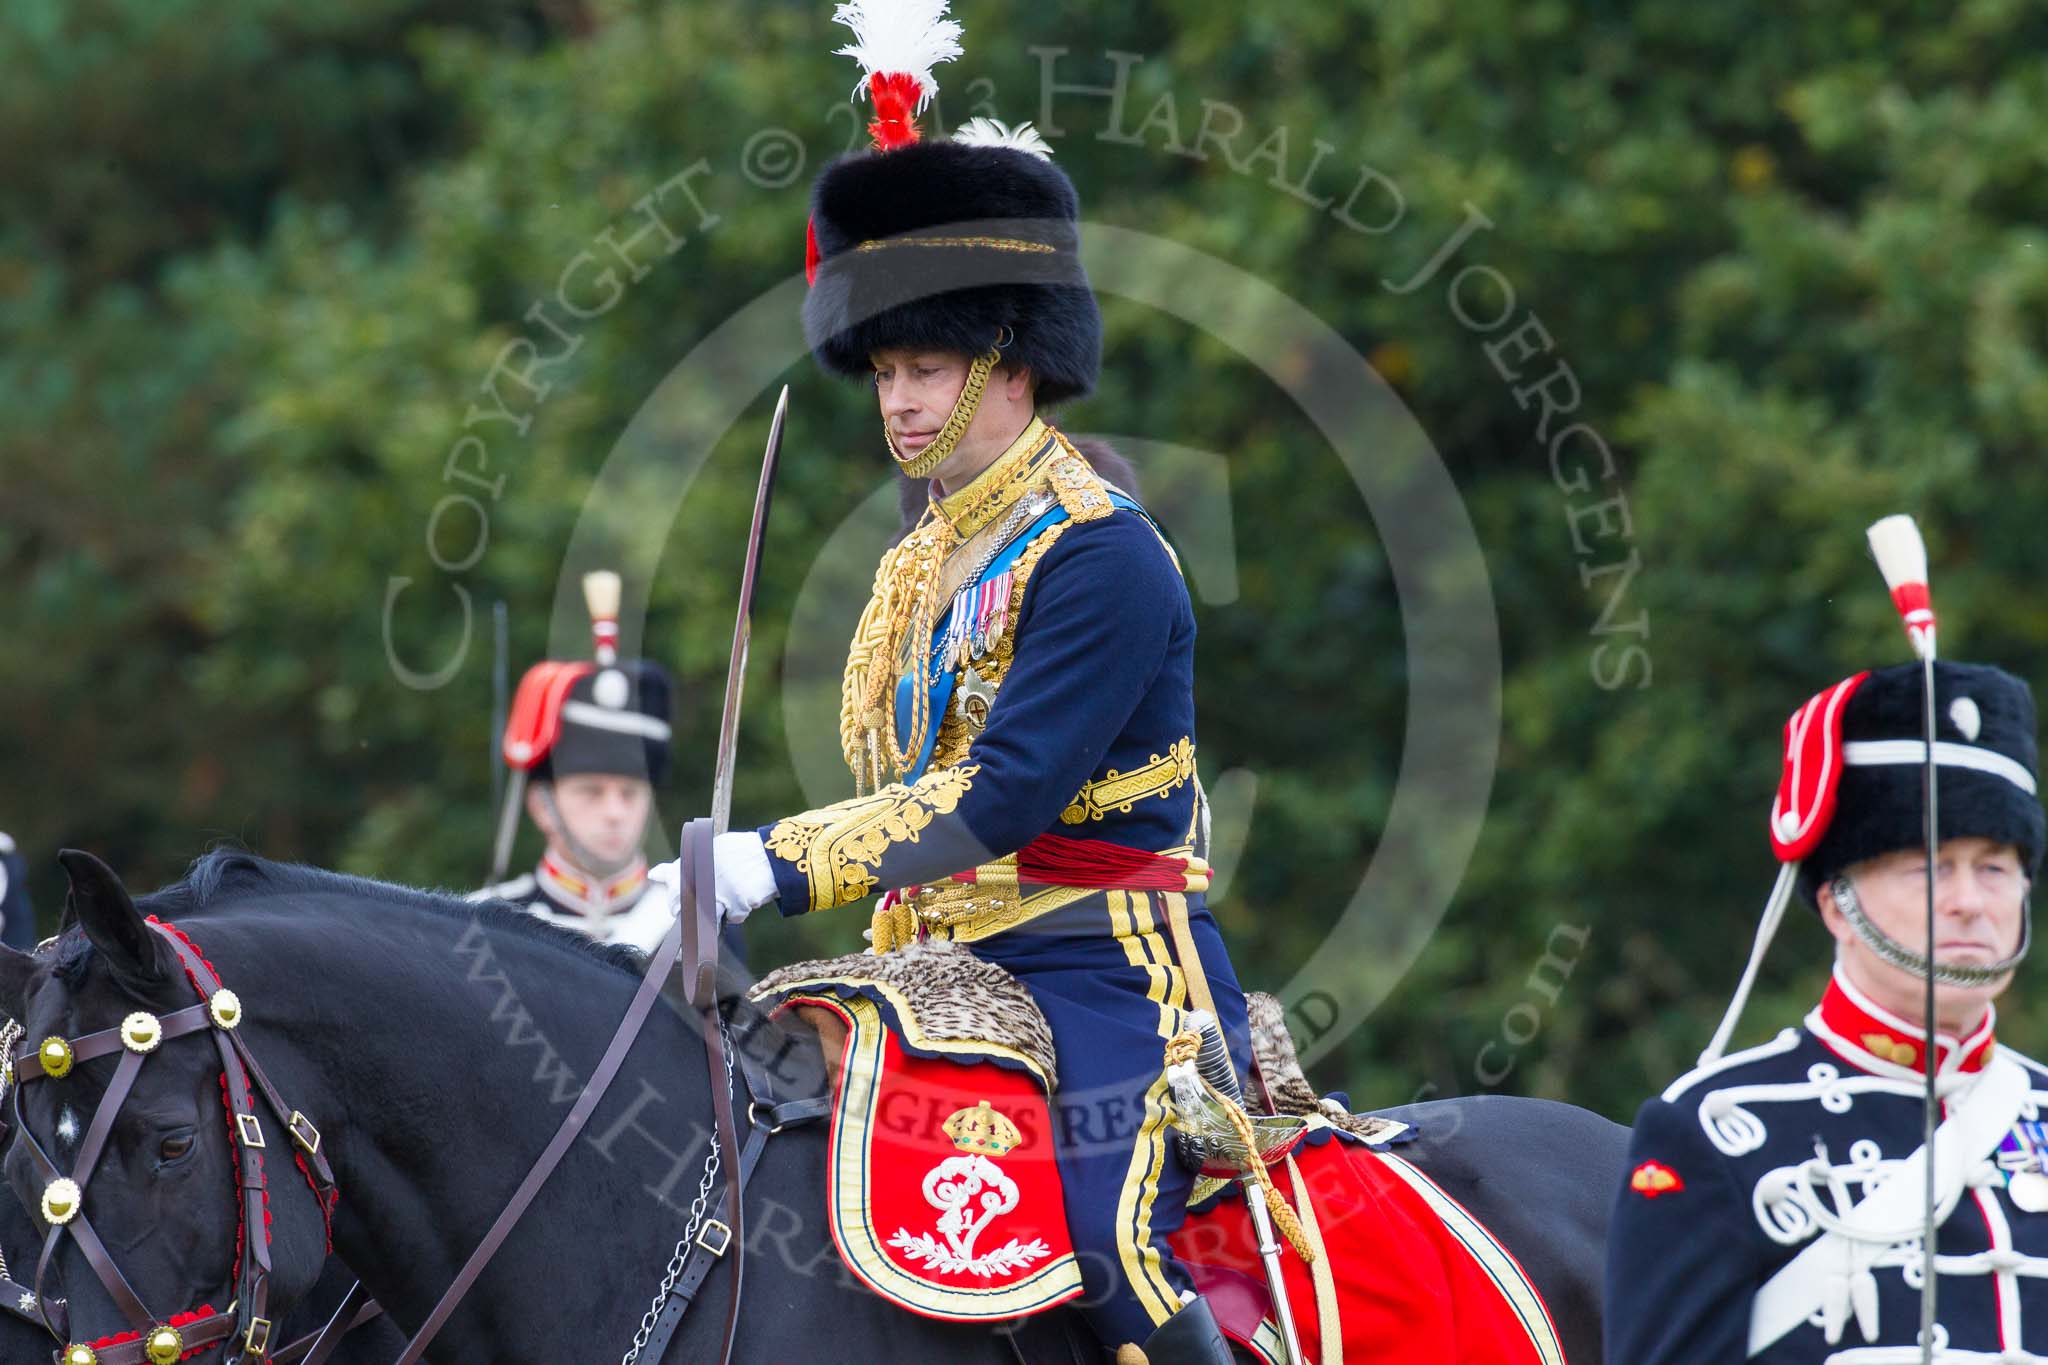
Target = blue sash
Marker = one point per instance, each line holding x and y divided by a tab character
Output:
938	668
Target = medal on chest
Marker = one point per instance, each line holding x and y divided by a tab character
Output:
2023	1157
981	613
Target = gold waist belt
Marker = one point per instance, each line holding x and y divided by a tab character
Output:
965	911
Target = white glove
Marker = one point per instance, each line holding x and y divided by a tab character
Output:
745	880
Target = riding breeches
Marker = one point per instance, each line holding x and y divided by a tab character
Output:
1113	987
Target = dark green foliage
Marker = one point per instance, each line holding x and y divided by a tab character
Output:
257	259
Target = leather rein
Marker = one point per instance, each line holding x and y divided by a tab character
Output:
692	938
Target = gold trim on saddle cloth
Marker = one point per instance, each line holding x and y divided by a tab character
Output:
1496	1260
853	1230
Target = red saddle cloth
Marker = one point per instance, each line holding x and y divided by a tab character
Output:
942	1190
943	1196
1416	1277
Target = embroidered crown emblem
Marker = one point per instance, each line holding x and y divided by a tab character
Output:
982	1129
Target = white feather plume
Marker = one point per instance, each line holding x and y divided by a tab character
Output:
992	132
1902	558
1901	554
910	36
601	588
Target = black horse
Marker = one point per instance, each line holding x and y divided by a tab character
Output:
23	1337
437	1044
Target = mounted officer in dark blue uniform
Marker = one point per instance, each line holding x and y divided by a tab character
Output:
1018	703
1775	1202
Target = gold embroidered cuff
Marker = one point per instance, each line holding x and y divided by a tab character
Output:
841	846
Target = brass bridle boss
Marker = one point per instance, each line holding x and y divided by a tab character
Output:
219	1014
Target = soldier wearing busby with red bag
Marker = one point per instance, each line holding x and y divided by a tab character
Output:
587	743
1778	1197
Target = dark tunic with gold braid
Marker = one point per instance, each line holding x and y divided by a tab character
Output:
1054	714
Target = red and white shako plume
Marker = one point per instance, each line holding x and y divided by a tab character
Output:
1902	558
897	43
601	595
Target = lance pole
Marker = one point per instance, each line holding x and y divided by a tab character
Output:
1902	559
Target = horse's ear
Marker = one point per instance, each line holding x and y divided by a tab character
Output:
15	969
101	906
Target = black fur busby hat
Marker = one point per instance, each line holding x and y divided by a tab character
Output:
607	715
614	720
1985	751
960	244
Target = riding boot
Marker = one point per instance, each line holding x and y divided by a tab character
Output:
1189	1337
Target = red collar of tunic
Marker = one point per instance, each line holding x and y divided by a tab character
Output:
1870	1037
571	885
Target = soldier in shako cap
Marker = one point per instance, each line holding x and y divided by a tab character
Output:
1775	1199
1018	703
587	742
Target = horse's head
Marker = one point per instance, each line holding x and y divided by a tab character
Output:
136	1136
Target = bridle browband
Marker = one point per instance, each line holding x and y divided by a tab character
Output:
244	1326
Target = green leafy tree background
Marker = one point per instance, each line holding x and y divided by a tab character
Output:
257	261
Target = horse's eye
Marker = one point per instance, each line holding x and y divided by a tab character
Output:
175	1146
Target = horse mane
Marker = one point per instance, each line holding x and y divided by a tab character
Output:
227	875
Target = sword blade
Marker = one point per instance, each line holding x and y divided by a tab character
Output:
736	671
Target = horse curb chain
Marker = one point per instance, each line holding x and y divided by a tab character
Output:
698	1207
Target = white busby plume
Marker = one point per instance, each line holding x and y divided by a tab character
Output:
601	595
993	132
897	43
1902	559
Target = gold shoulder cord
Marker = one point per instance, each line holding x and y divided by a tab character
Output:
901	609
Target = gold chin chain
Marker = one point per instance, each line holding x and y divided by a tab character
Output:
920	465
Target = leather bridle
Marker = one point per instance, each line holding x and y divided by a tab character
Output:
244	1326
691	945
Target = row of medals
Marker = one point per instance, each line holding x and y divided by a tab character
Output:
970	641
2020	1156
971	638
